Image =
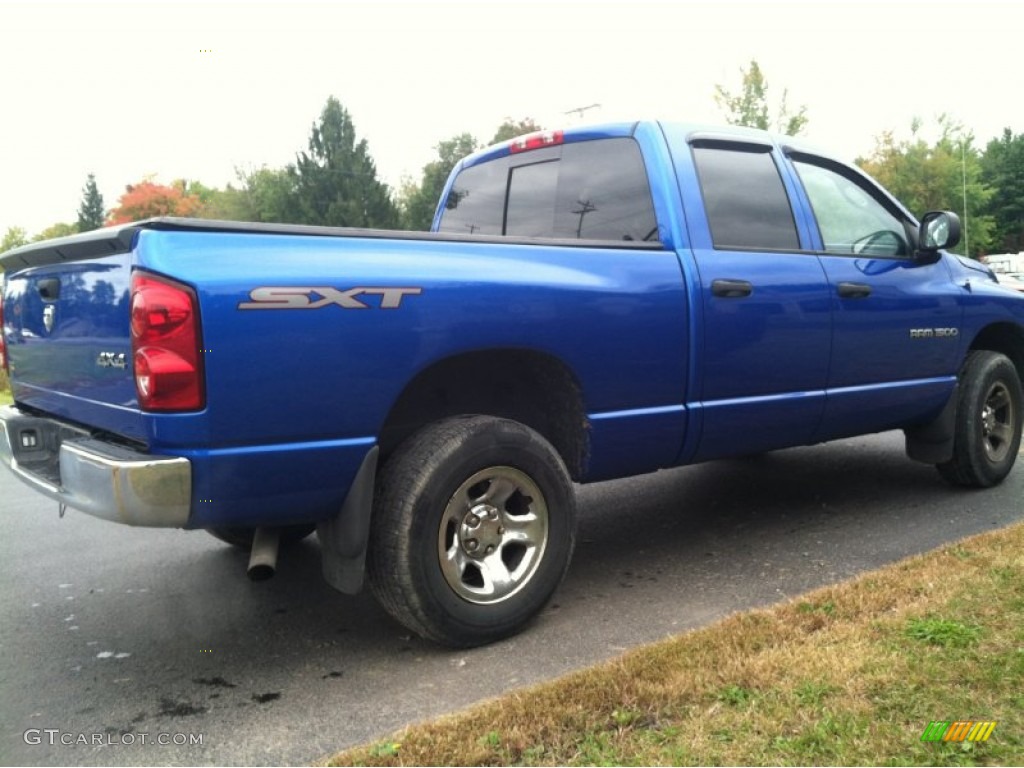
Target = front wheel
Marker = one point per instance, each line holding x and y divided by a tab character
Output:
473	529
988	422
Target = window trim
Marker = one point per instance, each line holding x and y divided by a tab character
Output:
706	139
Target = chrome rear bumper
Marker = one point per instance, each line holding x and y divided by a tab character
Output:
103	479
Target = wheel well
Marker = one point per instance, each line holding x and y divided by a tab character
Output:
933	442
1006	338
524	385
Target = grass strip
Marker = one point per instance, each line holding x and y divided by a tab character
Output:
851	674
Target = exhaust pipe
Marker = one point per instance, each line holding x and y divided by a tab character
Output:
263	556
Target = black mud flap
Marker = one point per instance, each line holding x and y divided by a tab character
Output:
932	443
343	538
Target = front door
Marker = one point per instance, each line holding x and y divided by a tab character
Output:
896	317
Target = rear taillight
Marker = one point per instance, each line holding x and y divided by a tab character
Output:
537	141
166	345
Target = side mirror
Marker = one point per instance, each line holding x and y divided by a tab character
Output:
939	229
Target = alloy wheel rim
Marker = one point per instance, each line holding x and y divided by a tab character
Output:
998	420
493	535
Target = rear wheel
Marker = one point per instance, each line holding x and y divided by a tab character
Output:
473	528
242	537
988	422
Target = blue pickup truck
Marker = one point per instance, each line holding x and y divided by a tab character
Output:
591	304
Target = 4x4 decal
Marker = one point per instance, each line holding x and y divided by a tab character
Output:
316	297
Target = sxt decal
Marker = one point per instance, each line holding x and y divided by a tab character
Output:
315	298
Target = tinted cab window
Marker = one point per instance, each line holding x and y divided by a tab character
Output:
744	199
590	190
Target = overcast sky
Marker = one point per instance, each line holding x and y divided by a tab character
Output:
197	89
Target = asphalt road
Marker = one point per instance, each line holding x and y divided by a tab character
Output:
129	637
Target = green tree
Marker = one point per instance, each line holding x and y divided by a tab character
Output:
419	201
940	175
60	229
91	214
14	237
264	194
196	189
750	107
270	195
336	180
226	204
1002	170
510	129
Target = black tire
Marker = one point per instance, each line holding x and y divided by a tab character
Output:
242	537
988	422
474	524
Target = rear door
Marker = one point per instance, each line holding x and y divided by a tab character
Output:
765	302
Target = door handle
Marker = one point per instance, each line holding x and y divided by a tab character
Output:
853	290
731	289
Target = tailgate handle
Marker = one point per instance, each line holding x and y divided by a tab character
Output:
49	288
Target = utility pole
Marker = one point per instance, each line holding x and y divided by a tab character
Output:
580	111
963	171
585	207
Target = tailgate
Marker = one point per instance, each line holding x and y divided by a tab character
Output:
67	330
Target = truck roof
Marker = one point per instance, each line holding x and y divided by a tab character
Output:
623	129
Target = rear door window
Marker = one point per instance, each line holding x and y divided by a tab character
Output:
746	203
